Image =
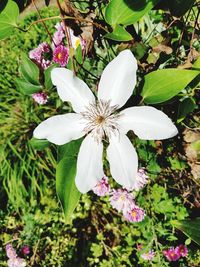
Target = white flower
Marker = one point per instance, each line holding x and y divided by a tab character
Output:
77	40
98	119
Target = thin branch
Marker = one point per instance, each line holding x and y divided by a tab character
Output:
42	21
65	17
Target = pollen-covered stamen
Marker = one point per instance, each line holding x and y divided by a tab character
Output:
101	119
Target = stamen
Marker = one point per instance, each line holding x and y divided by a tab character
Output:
101	120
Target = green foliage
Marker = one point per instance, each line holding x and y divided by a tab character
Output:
190	228
119	34
186	106
26	87
29	70
39	144
8	19
162	85
65	178
127	12
79	54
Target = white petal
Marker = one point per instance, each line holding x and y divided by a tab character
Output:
60	129
118	79
89	164
123	160
71	88
148	123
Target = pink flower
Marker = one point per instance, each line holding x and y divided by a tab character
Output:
45	64
25	250
40	98
172	254
61	55
121	200
40	55
10	251
140	180
183	251
58	35
148	256
139	246
16	262
135	214
102	188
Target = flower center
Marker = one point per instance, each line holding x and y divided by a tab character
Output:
134	214
59	55
101	120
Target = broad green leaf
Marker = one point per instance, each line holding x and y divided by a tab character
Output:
179	7
70	149
119	34
65	186
29	70
196	64
69	64
79	54
127	12
47	77
185	107
190	228
8	19
162	85
39	144
26	87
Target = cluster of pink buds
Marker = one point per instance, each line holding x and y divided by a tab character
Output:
102	188
14	260
121	199
44	55
40	98
174	254
148	256
41	54
142	179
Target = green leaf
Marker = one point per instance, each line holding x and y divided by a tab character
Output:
70	64
179	7
79	54
127	12
65	186
162	85
185	107
8	19
196	64
65	177
26	87
29	71
190	228
47	77
70	149
119	34
39	144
